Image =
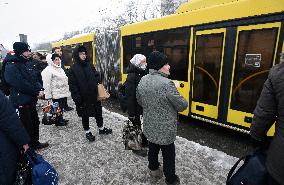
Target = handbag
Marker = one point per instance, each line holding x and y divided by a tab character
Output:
42	172
102	93
252	172
51	113
23	174
132	136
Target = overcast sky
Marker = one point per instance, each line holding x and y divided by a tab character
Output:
48	20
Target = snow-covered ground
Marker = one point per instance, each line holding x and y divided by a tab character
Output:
105	161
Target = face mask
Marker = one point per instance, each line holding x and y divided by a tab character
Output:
143	66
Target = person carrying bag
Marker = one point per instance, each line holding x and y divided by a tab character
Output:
42	172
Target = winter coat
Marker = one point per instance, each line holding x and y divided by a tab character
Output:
161	101
12	137
35	67
270	108
83	83
23	81
55	81
133	78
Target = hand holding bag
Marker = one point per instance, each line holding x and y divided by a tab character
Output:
42	172
102	93
23	174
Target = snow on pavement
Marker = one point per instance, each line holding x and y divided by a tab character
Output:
105	161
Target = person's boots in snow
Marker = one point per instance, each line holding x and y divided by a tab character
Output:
175	182
105	131
142	152
90	137
156	173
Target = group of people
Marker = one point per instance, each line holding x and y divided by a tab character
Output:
28	81
149	94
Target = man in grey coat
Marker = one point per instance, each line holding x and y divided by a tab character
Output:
270	109
161	101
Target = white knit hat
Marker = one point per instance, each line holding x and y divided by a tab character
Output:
137	59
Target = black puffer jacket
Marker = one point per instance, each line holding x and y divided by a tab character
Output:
133	78
270	108
23	81
12	137
83	82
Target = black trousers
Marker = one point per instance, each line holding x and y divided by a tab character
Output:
169	155
30	120
98	117
65	104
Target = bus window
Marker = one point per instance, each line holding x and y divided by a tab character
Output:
208	57
88	46
254	58
174	43
67	55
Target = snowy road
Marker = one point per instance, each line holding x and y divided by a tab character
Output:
105	161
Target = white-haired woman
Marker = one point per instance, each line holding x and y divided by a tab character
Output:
55	83
136	70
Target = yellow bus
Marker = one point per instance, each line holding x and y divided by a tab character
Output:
67	47
220	53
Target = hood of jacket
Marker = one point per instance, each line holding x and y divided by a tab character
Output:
50	62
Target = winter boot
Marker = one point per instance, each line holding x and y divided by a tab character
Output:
175	182
90	137
142	153
156	173
105	131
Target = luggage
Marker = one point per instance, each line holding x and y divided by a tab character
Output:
51	113
42	172
132	136
252	172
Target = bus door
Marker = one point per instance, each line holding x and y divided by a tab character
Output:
208	62
255	54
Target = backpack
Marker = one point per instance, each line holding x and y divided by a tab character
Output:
132	136
122	96
42	172
4	87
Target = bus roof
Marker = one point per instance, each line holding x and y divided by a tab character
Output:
197	12
89	37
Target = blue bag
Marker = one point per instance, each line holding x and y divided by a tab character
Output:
42	172
252	172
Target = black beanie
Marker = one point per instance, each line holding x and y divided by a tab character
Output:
20	47
157	60
82	49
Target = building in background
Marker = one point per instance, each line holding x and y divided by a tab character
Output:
23	38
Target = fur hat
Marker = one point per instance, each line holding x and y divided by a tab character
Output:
20	47
157	60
